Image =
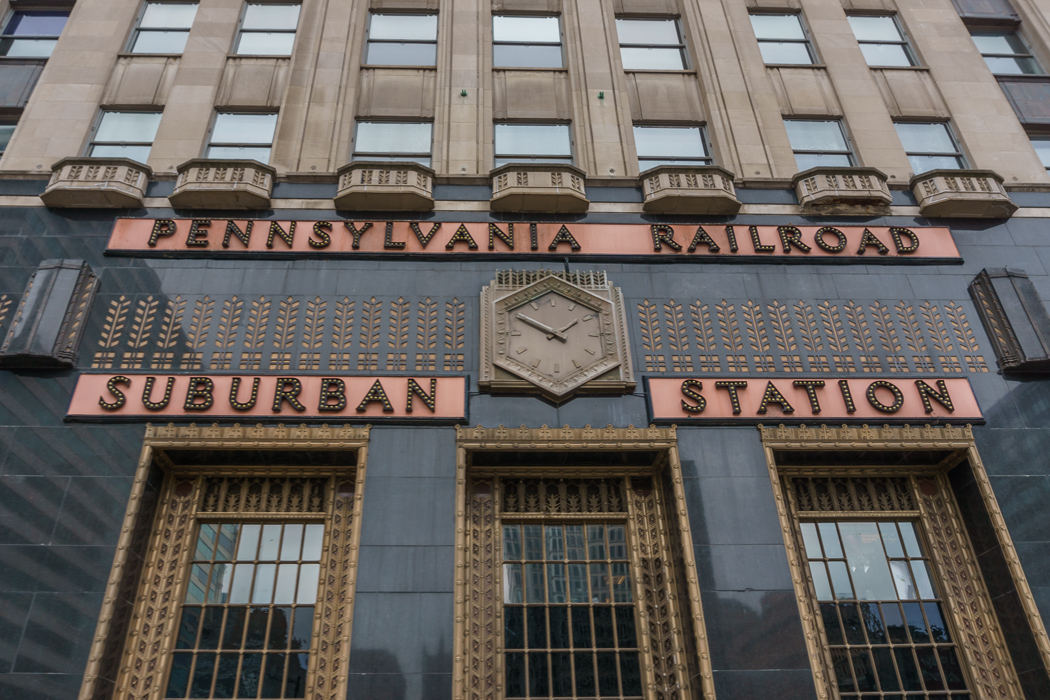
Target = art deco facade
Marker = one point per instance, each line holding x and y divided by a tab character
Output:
529	349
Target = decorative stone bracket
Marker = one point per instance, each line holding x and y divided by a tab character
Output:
1015	319
539	187
677	189
206	183
97	182
962	193
385	186
849	191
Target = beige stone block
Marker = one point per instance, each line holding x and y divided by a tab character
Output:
804	91
253	82
706	190
385	186
843	191
540	187
664	96
205	183
141	80
97	182
397	92
531	94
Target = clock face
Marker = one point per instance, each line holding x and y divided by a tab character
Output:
555	336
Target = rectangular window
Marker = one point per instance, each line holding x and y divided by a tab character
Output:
520	41
670	145
124	135
533	143
782	39
267	29
32	33
930	146
402	40
393	141
1040	143
881	40
1005	52
247	619
651	44
6	131
242	135
818	143
568	611
164	27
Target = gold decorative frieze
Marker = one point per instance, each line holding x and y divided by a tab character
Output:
97	183
269	437
567	438
847	191
962	193
385	186
803	437
539	187
675	189
206	183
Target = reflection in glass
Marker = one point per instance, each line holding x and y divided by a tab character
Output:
867	561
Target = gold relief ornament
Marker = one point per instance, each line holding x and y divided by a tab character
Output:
555	334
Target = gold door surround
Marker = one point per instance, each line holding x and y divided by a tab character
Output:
675	655
835	489
134	638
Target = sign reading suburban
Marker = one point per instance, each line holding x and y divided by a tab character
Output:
175	396
260	238
750	399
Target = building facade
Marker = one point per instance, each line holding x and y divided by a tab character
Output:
528	349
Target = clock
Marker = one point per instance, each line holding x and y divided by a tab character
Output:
554	337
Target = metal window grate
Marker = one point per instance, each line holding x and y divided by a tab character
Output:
565	496
847	494
257	494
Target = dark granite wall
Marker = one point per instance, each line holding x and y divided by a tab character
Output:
63	487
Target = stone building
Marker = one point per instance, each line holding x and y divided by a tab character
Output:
423	349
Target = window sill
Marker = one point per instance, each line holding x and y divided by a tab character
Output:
128	54
1024	77
258	55
682	71
822	66
922	69
562	69
387	66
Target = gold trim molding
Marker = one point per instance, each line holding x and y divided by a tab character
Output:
242	437
566	438
983	646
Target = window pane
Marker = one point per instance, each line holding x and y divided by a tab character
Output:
249	542
244	128
313	542
874	28
1042	149
160	42
404	27
309	577
647	31
555	542
793	53
820	580
271	17
265	44
285	591
651	59
902	579
777	27
128	127
815	136
922	164
27	48
867	561
512	584
167	15
925	138
526	29
1002	65
811	541
999	42
885	55
891	540
387	137
533	139
242	583
36	23
291	542
270	542
139	153
262	592
383	54
524	56
684	142
6	130
830	537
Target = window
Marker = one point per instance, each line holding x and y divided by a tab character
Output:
651	44
402	40
535	143
242	135
818	143
6	131
32	33
881	40
124	135
526	42
670	145
393	141
267	29
1005	52
782	40
930	146
164	27
251	594
1040	143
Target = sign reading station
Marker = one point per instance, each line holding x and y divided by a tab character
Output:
750	399
174	396
255	238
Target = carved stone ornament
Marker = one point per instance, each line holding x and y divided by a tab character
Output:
539	187
848	191
676	189
1015	319
111	183
962	193
207	183
554	333
385	186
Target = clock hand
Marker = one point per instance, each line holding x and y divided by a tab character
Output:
571	324
551	333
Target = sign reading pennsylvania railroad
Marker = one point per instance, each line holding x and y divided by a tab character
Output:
363	238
